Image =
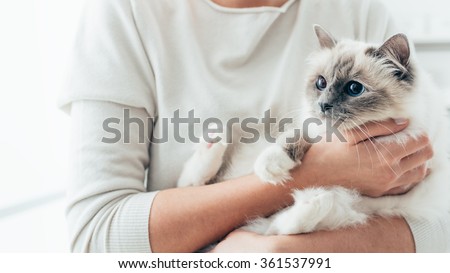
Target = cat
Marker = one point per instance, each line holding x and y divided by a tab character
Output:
350	82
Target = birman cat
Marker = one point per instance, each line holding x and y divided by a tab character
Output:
352	83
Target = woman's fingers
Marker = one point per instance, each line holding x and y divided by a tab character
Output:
410	179
416	159
375	129
411	169
408	153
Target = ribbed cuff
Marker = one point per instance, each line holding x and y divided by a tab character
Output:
129	227
429	235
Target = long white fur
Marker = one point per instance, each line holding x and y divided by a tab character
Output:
337	207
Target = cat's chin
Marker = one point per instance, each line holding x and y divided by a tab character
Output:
336	118
345	122
348	124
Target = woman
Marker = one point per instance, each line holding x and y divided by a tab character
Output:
224	59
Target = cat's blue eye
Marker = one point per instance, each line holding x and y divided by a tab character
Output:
321	83
354	89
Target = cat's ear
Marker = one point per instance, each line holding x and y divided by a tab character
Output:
397	47
326	40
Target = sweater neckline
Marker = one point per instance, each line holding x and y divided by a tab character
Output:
281	9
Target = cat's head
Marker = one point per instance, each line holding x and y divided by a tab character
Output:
356	82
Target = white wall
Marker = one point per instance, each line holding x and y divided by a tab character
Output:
428	24
424	20
35	36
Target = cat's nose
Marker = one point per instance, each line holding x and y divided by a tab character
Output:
325	106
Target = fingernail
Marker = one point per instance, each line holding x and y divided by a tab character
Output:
400	121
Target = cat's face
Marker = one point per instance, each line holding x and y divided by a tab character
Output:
356	82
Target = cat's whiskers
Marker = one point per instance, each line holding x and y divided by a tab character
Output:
357	149
365	144
377	150
348	129
393	133
380	143
357	153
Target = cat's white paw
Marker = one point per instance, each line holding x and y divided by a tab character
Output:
273	165
203	165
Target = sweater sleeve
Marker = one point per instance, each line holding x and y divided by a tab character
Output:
108	205
109	61
432	234
108	70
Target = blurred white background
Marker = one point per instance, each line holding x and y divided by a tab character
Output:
35	38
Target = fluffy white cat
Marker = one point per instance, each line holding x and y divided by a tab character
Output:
353	83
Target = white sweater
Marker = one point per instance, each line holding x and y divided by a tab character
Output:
155	57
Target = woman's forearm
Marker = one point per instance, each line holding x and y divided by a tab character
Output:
378	235
190	218
187	219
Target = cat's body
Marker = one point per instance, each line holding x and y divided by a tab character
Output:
392	87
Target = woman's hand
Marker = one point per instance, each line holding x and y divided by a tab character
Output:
372	167
245	241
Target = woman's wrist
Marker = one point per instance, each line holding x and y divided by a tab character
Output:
303	177
217	208
378	235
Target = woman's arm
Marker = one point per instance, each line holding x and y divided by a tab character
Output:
108	205
206	213
110	210
187	219
378	235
